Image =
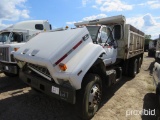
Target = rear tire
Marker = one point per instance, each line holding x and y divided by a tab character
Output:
133	67
139	64
10	74
89	97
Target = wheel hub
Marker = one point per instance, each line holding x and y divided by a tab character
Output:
94	96
135	67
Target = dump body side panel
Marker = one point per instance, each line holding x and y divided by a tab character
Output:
132	43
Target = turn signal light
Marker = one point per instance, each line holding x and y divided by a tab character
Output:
63	67
67	27
15	49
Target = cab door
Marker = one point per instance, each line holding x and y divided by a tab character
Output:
110	47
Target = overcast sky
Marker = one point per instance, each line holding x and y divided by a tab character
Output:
143	14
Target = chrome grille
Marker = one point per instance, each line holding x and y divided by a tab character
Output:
4	54
40	69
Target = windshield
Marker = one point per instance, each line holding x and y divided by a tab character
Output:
4	36
11	37
93	31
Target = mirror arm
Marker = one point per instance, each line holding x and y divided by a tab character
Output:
108	37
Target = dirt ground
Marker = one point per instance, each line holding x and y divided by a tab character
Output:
121	102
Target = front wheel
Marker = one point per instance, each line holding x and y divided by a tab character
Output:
89	97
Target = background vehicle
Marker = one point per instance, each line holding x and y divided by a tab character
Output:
13	38
76	64
157	54
156	69
152	48
147	40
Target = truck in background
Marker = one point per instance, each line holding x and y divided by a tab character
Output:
157	54
12	38
146	45
156	69
152	48
76	64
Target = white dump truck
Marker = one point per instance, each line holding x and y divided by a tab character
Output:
74	65
12	38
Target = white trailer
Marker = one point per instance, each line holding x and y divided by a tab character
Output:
12	38
74	65
157	54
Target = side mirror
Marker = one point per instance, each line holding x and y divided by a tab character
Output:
117	32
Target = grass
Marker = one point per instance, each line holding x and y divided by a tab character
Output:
151	88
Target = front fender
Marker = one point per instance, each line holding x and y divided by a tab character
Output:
83	61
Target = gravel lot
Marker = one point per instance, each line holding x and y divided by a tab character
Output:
19	102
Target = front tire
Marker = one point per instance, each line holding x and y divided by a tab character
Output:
89	97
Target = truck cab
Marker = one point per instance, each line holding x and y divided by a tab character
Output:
13	37
7	37
103	35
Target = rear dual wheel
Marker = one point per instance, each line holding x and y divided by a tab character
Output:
139	64
134	66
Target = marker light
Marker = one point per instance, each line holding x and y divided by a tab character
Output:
15	49
67	27
63	67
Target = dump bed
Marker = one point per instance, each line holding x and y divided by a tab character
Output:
132	43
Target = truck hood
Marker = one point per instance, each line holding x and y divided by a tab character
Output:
12	45
50	46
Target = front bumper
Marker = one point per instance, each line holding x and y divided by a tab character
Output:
50	88
9	68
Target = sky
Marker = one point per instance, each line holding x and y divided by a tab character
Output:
143	14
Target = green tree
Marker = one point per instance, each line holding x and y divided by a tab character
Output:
148	36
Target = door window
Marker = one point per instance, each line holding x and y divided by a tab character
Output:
4	36
39	26
106	35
